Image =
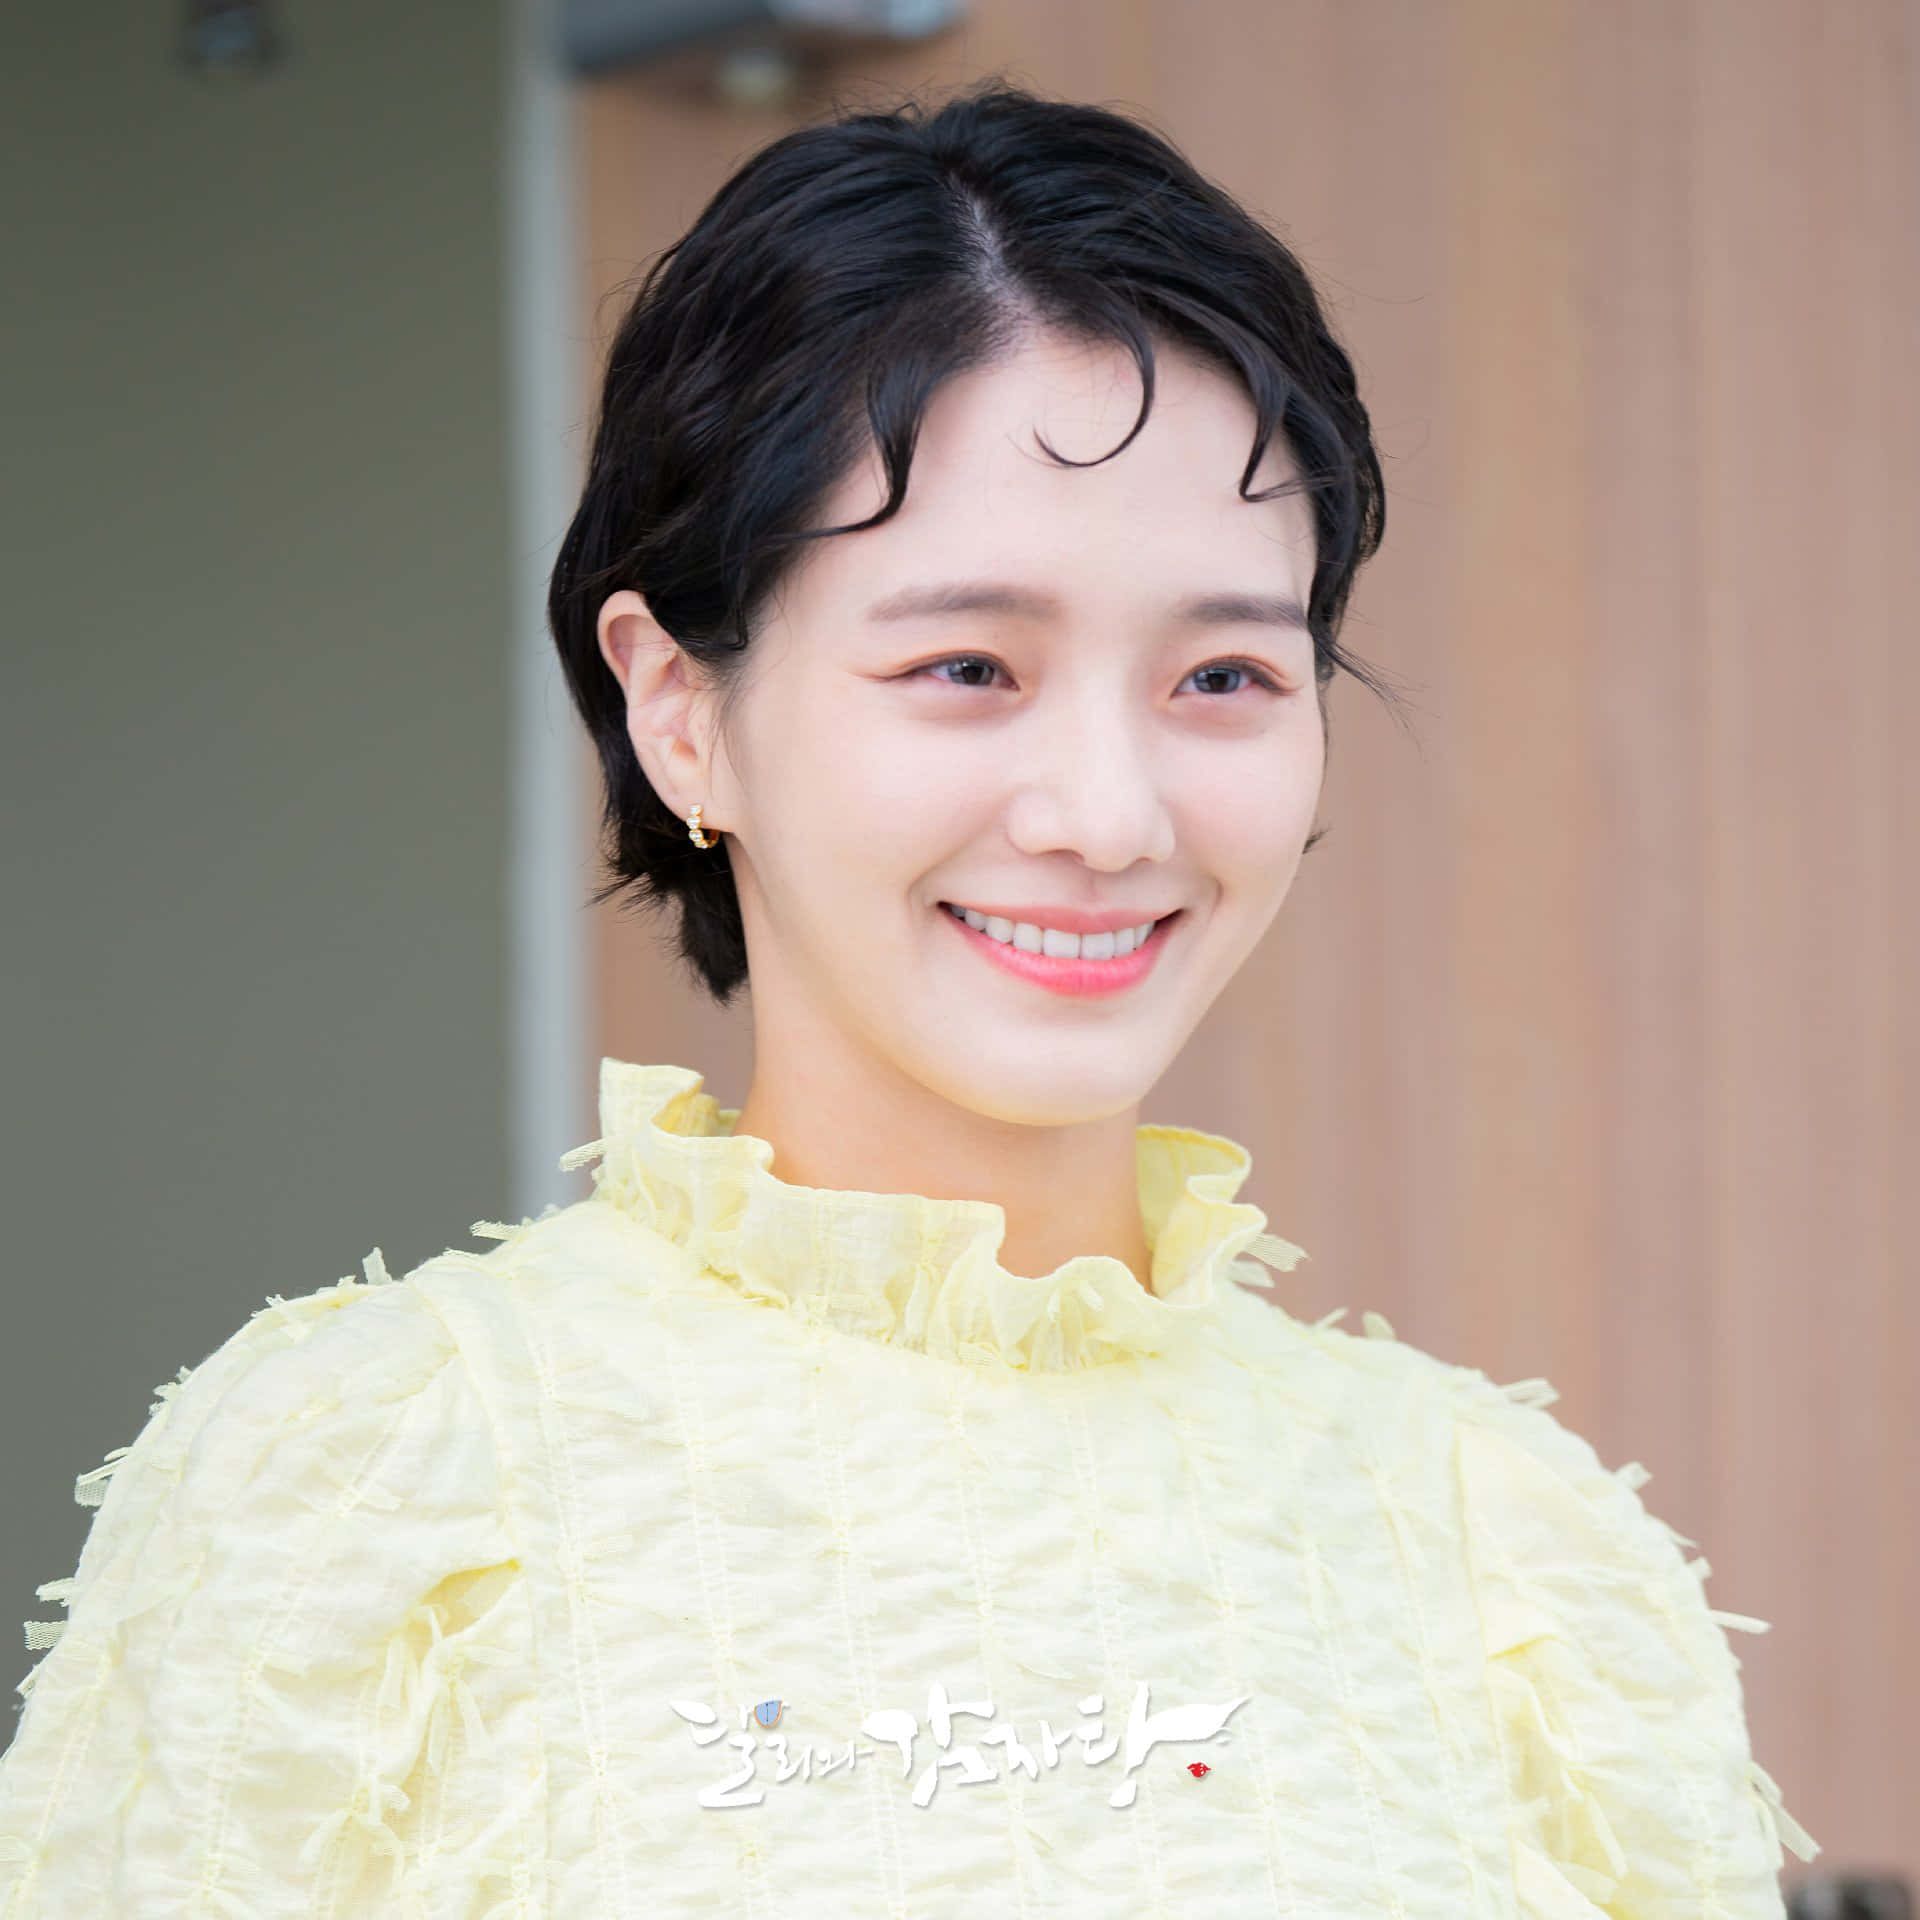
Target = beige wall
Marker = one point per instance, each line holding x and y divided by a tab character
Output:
253	698
1578	1049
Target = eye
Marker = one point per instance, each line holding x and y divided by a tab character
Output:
1260	676
1245	667
935	667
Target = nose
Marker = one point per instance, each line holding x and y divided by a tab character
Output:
1090	786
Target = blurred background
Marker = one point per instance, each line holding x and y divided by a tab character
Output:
1586	1044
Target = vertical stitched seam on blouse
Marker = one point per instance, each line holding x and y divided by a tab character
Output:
711	1567
958	1384
1553	1705
820	1279
286	1602
1147	1845
1223	1585
1445	1726
817	1267
1703	1866
1474	1553
1707	1858
882	1810
457	1742
1328	1633
610	1852
516	1531
85	1722
333	1867
498	1848
93	1702
433	1782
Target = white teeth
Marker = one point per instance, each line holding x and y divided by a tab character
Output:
1052	941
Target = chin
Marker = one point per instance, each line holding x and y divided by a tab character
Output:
1036	1080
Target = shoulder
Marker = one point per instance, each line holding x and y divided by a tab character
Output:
324	1408
1440	1411
563	1253
356	1341
1558	1542
1612	1680
1367	1373
292	1568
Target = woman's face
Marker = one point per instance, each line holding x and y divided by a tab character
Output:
1050	694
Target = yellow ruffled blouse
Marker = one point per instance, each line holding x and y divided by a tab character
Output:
718	1545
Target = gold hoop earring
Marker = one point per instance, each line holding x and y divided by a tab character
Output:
697	834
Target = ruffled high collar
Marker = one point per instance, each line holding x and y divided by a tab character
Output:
912	1271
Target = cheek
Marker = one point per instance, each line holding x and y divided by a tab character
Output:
1246	815
864	802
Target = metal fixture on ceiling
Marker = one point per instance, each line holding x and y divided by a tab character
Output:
230	39
602	35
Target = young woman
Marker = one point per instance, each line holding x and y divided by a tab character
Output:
897	1496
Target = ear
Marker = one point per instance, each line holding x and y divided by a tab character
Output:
669	706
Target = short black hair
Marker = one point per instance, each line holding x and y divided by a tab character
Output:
830	286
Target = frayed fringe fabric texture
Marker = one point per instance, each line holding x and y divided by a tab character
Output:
298	1585
1616	1693
382	1612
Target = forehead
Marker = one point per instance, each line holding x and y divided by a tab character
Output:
984	493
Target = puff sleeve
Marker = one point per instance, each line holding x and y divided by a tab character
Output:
294	1673
1632	1789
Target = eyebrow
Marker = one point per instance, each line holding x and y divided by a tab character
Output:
996	596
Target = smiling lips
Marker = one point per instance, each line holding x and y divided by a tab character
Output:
1062	935
1077	964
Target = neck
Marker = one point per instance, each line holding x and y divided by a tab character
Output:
842	1123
